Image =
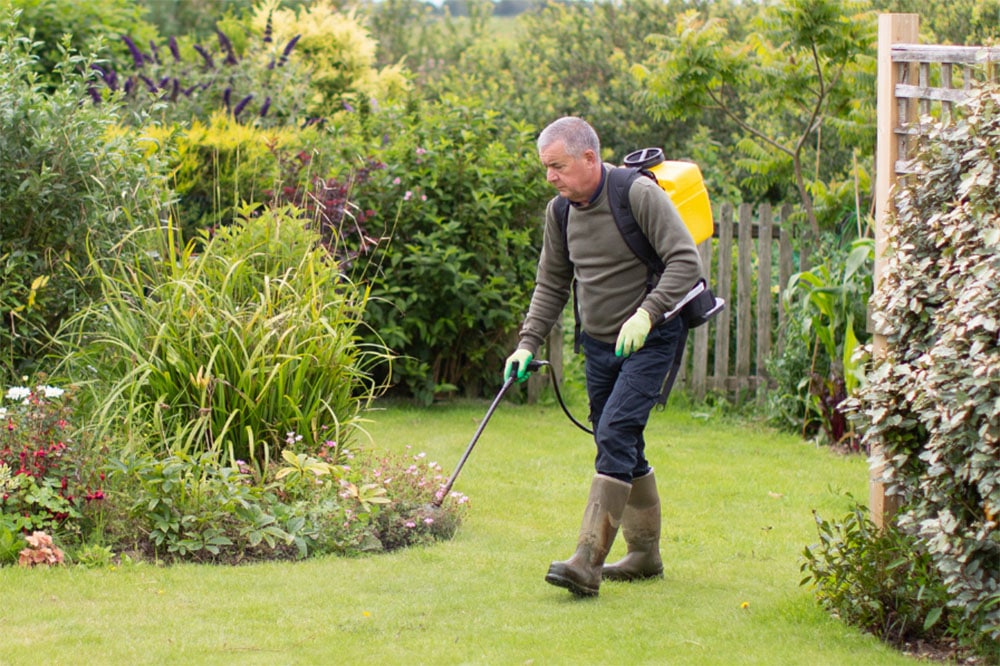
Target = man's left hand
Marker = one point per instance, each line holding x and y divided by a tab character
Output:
633	333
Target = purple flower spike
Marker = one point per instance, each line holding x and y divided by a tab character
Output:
242	105
268	29
226	94
209	63
94	95
174	50
265	106
149	83
137	57
288	49
227	46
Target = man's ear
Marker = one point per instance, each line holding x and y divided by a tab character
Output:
591	157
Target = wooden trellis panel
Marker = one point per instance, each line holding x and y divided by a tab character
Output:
915	82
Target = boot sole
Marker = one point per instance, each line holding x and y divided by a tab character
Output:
571	585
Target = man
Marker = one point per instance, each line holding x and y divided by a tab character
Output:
628	347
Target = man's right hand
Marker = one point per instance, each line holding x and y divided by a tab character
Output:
520	358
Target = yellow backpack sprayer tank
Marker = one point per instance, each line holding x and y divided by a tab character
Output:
684	183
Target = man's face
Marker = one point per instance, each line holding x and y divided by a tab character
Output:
576	178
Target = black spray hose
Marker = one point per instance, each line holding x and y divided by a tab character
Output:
532	366
536	365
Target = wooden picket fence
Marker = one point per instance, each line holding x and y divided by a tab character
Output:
729	355
748	262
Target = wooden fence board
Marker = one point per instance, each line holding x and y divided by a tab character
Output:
744	273
723	286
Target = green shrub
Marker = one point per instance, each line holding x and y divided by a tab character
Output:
340	55
881	580
461	198
84	27
571	59
67	179
931	405
229	350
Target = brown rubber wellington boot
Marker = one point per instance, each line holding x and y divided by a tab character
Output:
581	573
641	529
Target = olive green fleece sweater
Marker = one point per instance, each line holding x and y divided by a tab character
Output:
611	280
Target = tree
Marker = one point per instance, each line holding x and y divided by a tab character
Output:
973	22
807	66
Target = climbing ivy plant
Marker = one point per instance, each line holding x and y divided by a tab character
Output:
932	401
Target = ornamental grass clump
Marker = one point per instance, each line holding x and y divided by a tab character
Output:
228	350
932	400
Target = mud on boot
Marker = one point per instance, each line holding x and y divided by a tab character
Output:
581	573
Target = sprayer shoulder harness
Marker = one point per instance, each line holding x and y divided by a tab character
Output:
696	308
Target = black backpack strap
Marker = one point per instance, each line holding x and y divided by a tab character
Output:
675	368
561	211
619	183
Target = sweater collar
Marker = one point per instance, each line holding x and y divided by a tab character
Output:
597	192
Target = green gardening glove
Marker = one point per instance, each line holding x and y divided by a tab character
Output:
633	333
521	357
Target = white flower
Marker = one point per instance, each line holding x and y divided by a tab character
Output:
52	391
18	393
3	412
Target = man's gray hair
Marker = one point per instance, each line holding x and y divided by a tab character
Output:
576	134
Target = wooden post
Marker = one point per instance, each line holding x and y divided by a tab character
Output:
892	29
724	266
744	284
554	355
785	262
764	240
699	370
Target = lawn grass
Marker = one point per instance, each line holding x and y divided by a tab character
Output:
737	513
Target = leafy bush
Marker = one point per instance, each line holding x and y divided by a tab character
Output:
540	77
194	508
83	27
819	366
881	580
461	199
340	55
225	351
932	401
67	179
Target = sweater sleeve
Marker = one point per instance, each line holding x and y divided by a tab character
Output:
659	220
553	281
